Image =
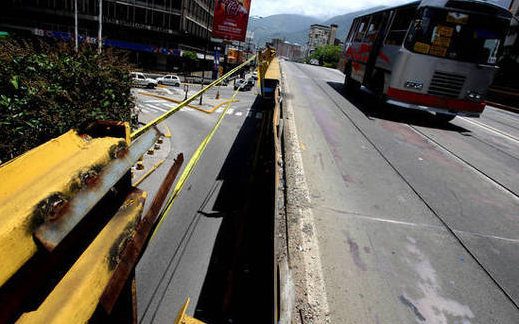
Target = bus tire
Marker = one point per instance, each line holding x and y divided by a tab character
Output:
350	85
443	118
379	87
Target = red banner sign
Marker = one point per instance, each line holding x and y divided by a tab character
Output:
230	19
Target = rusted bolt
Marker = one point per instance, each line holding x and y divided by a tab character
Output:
57	209
140	165
150	152
157	147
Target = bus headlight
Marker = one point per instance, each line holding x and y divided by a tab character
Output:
473	96
413	84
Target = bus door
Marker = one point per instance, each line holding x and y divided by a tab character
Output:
374	38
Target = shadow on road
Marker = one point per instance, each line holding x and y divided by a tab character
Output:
365	103
238	287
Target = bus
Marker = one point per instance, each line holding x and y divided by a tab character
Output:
434	55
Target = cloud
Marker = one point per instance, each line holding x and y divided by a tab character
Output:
316	8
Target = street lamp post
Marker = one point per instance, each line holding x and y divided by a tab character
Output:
75	27
100	35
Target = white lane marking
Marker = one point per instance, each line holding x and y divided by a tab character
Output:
492	130
154	101
239	113
156	108
187	109
259	115
167	90
230	111
219	110
145	110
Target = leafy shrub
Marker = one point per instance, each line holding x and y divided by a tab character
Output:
47	89
190	60
328	55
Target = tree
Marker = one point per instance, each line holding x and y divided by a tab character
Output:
327	55
190	60
47	89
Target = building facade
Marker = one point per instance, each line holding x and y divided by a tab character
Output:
287	49
320	35
152	30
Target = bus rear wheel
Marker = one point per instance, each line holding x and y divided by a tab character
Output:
443	118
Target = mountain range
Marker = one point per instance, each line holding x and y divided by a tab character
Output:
294	28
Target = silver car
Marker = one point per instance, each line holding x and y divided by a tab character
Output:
171	80
140	80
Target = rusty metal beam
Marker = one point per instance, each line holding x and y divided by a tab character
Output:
53	230
133	250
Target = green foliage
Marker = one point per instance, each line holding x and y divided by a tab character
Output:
46	90
327	55
190	60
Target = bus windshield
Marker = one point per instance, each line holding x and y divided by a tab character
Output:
456	35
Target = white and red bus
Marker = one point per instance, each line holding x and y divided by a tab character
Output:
433	55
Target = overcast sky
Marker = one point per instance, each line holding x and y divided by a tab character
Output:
321	8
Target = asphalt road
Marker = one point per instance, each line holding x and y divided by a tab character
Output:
415	221
176	262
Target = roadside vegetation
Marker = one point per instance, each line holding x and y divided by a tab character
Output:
47	89
327	55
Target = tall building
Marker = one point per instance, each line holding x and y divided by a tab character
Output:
287	49
320	35
153	30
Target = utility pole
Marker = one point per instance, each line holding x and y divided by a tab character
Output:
100	35
205	53
75	27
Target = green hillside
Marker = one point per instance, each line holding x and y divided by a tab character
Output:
294	28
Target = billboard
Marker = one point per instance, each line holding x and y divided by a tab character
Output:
230	19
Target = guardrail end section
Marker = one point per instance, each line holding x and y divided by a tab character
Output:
76	296
182	318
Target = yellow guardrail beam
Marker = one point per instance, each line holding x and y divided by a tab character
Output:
160	119
37	186
76	296
273	71
182	318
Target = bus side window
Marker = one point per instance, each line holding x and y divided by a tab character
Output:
363	25
399	26
373	28
353	29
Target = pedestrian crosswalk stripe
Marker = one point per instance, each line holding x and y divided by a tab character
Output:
239	113
145	110
156	108
230	111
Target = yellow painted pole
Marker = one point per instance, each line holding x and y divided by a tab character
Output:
160	119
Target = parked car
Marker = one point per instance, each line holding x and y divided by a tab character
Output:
169	79
251	82
246	85
140	80
255	75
